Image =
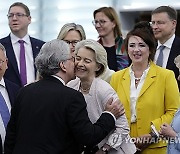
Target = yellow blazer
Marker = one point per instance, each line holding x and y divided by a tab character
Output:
157	102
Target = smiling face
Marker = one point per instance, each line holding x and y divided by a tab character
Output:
138	50
85	65
104	25
19	24
163	27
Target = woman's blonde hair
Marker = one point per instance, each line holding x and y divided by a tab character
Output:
71	26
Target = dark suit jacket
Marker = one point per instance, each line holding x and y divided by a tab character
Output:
175	51
12	90
50	118
12	72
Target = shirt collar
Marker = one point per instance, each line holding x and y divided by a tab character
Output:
168	43
15	39
2	83
144	73
57	77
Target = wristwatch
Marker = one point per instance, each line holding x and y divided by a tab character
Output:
105	150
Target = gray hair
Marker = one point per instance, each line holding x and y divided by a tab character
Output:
100	53
71	26
3	49
50	55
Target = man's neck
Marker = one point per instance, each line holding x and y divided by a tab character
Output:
165	39
20	34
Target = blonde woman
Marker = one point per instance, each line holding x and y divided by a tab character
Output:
72	33
90	63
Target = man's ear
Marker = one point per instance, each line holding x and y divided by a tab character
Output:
62	66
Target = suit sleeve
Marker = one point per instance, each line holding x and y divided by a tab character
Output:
84	131
171	101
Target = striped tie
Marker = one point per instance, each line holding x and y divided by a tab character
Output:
4	111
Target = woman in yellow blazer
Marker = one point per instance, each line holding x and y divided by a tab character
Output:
149	93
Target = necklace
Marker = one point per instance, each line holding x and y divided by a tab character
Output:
84	90
137	80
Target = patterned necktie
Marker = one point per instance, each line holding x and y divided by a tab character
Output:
23	74
4	111
160	57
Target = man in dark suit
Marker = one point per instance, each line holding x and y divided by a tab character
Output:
19	19
164	21
49	117
8	91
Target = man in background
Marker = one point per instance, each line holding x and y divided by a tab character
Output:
164	21
8	91
21	48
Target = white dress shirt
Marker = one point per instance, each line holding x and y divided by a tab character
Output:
166	51
28	55
6	98
134	92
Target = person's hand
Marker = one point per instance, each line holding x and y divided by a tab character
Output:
102	152
122	110
167	131
143	141
116	108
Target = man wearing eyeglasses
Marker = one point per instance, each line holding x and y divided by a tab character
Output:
164	21
21	48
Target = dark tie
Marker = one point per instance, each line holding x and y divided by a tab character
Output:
4	110
160	57
23	74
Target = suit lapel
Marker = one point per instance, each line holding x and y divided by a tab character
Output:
35	47
149	79
35	50
126	84
11	55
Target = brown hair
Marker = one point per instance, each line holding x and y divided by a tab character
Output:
113	16
144	31
172	13
21	5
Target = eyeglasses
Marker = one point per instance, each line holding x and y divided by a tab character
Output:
18	15
100	22
73	43
158	23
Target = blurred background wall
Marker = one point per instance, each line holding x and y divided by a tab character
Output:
48	16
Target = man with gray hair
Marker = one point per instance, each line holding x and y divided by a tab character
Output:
49	117
8	91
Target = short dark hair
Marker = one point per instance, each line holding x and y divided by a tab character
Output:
172	13
144	31
21	5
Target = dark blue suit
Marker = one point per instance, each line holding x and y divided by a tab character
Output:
12	90
174	52
12	73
